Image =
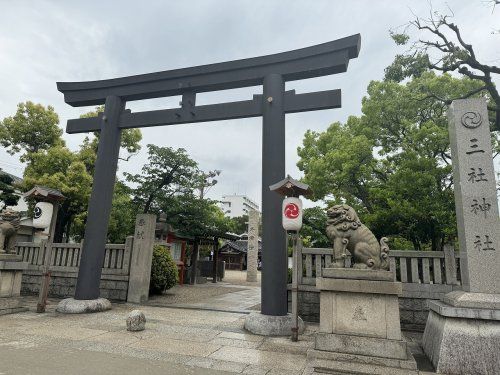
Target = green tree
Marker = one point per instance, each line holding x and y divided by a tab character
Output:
130	142
441	46
121	219
71	172
32	129
67	171
313	227
164	274
239	224
7	191
60	168
168	173
392	164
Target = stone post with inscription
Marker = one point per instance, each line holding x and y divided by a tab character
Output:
462	334
253	245
142	255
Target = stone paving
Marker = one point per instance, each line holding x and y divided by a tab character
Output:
234	294
192	338
204	338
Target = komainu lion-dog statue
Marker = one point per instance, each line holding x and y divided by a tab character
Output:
9	225
350	237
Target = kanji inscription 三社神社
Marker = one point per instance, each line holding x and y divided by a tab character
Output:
475	196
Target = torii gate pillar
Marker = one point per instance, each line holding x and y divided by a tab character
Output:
274	255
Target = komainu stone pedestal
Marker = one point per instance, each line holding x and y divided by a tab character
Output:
11	274
359	330
462	334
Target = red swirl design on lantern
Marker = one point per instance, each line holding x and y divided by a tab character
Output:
291	211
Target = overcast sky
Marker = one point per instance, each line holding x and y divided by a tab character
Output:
42	42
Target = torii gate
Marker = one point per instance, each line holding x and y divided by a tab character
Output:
272	72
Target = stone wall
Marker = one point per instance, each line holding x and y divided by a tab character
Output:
308	304
62	284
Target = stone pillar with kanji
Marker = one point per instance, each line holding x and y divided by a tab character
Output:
462	334
253	245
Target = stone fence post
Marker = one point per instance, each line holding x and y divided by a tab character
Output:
450	265
129	243
142	255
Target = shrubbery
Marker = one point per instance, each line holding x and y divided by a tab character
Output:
164	273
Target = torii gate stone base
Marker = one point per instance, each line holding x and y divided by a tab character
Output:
272	72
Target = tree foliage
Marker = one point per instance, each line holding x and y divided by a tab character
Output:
313	227
7	191
168	173
442	47
130	141
164	274
393	163
171	182
60	168
239	225
195	216
32	129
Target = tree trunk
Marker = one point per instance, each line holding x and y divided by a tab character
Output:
60	225
194	262
416	244
68	228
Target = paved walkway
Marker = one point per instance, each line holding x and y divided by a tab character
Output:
234	294
176	340
199	339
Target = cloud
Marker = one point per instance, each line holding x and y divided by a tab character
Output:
47	41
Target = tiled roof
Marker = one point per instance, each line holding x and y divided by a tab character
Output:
239	246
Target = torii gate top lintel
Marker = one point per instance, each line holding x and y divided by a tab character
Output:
319	60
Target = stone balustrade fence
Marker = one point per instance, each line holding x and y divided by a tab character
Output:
424	274
64	262
66	256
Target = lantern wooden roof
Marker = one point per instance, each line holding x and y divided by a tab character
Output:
43	193
291	188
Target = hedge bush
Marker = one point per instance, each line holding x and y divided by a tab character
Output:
164	273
